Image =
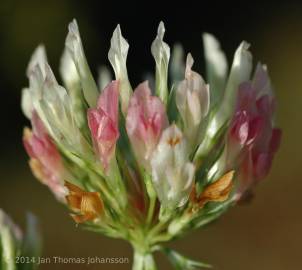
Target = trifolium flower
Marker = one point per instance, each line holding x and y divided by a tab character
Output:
103	123
146	119
192	101
172	171
46	161
151	163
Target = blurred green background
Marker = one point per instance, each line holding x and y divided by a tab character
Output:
265	234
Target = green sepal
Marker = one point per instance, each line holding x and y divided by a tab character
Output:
172	110
211	212
181	262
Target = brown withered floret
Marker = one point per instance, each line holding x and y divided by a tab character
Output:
88	205
218	191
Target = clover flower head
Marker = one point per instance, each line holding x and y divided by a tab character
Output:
142	164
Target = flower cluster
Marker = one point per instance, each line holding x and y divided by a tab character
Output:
146	165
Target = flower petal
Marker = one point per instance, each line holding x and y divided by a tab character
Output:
161	53
72	81
74	46
261	81
177	67
240	72
26	103
218	191
239	130
117	56
38	58
104	77
217	67
192	101
108	101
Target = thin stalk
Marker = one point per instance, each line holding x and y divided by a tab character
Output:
157	228
143	260
152	198
161	238
151	210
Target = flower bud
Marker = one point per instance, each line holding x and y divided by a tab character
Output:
103	123
45	162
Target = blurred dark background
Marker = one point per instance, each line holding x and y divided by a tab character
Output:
263	235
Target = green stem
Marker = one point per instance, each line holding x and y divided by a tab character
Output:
151	210
143	260
152	198
157	228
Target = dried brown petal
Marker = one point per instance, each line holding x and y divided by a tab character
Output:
217	191
74	201
73	189
88	205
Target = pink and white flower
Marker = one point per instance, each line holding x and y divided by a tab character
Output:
103	123
145	122
45	162
181	175
252	133
172	172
